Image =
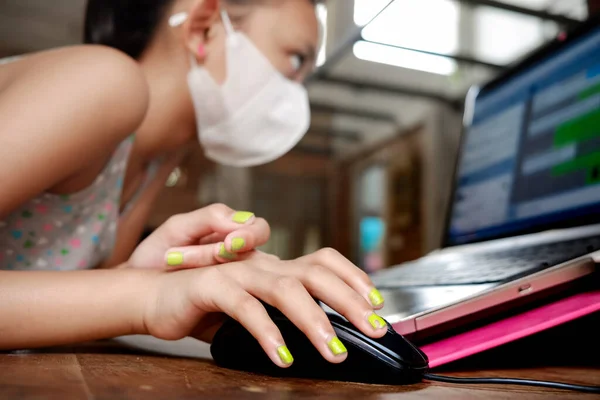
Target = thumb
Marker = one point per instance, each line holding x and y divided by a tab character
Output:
207	328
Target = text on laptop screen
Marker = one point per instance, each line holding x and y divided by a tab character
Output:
531	154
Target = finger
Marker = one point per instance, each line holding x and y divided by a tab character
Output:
187	229
289	296
198	256
356	278
214	237
228	297
248	237
326	286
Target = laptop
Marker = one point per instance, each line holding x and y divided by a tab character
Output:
524	215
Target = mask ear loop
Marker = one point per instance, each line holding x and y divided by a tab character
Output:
227	23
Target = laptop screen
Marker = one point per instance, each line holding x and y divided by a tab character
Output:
530	157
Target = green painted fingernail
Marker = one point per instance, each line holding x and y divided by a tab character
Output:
223	253
337	347
285	355
175	258
241	217
237	244
376	298
376	321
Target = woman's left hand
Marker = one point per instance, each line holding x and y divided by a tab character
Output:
205	237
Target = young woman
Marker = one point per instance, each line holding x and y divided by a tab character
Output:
89	135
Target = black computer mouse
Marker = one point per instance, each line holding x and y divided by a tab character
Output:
389	360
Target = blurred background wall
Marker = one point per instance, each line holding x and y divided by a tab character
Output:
372	176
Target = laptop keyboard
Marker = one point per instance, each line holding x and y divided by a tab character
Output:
485	267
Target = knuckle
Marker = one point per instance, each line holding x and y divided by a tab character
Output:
323	324
315	273
359	302
263	222
363	277
271	331
247	305
328	254
317	269
213	275
237	268
286	284
205	282
268	330
264	225
218	209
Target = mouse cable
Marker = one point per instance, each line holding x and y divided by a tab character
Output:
512	381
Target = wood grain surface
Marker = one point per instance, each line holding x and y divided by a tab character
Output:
109	370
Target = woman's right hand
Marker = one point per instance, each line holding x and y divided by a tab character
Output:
196	302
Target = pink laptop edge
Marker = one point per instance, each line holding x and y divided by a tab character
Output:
512	328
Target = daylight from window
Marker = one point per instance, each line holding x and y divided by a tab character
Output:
405	26
322	15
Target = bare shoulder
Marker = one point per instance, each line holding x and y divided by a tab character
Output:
101	82
89	63
64	111
98	63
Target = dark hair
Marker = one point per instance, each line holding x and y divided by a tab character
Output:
128	25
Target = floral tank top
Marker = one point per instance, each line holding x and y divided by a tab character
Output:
78	231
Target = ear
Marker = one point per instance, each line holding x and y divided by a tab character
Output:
201	18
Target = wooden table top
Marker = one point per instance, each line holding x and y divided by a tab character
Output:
110	370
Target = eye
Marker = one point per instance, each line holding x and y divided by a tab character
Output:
297	61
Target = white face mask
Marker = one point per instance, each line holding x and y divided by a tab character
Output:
256	116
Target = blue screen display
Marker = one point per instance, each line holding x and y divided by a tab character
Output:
531	152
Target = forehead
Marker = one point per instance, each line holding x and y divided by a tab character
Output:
287	20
